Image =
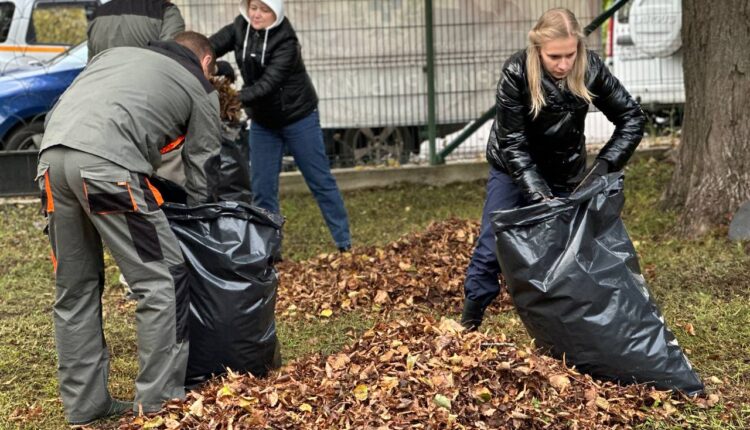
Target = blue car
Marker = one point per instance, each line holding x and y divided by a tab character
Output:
27	94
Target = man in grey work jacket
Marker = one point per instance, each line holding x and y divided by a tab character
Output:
132	23
103	139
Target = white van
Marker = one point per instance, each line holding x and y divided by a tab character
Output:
645	53
34	30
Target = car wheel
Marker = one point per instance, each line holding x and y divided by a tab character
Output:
26	137
376	146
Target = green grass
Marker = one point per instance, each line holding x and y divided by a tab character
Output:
701	282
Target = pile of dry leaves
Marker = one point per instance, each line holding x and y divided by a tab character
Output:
416	374
421	270
230	108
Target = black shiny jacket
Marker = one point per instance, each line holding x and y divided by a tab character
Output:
548	152
279	91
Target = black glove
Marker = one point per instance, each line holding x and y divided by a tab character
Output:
538	196
223	68
598	169
245	96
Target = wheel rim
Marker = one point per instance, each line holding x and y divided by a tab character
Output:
377	145
32	141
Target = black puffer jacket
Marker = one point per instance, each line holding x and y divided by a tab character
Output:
548	152
279	91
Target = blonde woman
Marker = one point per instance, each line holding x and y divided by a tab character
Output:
536	149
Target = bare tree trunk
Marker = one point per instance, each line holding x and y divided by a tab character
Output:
712	176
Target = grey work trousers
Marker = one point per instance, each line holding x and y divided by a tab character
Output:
89	199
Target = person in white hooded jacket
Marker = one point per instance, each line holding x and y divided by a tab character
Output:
281	102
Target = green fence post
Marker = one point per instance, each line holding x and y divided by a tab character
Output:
430	48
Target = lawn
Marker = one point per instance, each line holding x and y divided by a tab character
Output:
701	285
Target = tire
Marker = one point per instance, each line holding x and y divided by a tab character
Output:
376	146
26	137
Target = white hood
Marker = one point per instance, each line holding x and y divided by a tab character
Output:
277	6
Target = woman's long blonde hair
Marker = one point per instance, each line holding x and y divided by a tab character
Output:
555	24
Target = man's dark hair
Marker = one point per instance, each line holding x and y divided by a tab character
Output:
197	43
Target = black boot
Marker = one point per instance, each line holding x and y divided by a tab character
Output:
471	317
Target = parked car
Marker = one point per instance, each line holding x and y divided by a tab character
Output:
37	30
27	93
645	54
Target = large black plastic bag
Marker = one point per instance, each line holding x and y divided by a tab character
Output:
234	174
574	277
230	249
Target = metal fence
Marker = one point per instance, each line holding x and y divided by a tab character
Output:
373	65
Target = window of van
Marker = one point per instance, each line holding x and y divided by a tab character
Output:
6	17
58	23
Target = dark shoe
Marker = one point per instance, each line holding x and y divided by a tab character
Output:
473	314
116	408
346	248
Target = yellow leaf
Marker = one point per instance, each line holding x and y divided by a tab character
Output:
450	326
326	313
273	398
712	400
602	403
405	266
381	297
455	359
154	422
389	382
247	403
360	392
305	407
442	401
197	408
560	382
411	360
225	392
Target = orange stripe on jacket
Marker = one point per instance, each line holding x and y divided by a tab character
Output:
171	146
50	203
155	192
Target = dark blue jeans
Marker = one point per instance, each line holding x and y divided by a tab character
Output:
482	284
304	138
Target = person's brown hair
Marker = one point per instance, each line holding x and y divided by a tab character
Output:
198	44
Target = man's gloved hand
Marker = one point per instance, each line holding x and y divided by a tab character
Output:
223	68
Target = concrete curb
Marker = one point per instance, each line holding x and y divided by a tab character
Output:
465	171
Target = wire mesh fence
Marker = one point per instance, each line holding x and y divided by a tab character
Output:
368	60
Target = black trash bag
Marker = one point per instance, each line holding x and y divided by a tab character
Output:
233	173
229	248
574	277
234	182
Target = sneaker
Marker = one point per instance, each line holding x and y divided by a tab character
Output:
346	248
116	408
